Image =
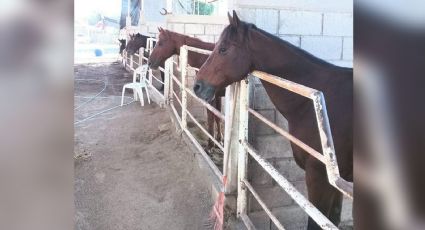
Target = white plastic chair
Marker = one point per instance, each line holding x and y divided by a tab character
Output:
137	86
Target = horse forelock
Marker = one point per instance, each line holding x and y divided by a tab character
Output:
236	35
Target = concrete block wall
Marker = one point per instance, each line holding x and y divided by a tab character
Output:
205	32
325	33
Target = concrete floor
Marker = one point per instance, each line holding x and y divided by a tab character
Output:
131	170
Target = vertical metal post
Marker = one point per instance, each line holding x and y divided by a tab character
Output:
141	52
168	68
131	62
171	81
183	68
243	157
231	137
326	137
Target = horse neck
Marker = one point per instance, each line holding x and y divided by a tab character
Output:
284	60
280	58
194	59
194	42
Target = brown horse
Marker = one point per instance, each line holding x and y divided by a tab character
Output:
243	48
168	44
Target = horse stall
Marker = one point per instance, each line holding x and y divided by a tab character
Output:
265	187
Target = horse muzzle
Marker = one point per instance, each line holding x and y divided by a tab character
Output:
204	91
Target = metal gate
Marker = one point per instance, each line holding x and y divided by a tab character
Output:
328	158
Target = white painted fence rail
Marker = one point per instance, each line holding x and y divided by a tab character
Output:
328	157
186	92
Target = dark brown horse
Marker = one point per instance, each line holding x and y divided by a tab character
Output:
122	45
138	41
168	44
243	48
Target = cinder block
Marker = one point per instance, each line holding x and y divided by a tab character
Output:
205	38
258	176
281	121
273	197
260	128
291	217
260	220
178	28
347	52
213	29
144	29
194	28
300	22
153	29
293	39
338	24
301	187
327	48
247	15
261	98
289	169
272	146
267	19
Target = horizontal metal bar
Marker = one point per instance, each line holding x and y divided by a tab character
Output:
176	114
196	69
177	81
248	223
176	96
210	163
308	207
263	205
283	83
206	104
293	139
153	76
197	50
221	147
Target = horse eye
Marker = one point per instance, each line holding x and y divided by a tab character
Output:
222	50
159	43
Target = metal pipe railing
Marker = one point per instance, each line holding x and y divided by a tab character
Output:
329	156
308	207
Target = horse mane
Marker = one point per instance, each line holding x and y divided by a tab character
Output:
192	41
231	33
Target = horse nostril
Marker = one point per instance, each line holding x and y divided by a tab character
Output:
197	87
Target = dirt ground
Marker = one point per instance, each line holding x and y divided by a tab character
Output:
131	170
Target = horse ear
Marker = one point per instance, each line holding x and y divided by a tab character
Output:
230	18
236	20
